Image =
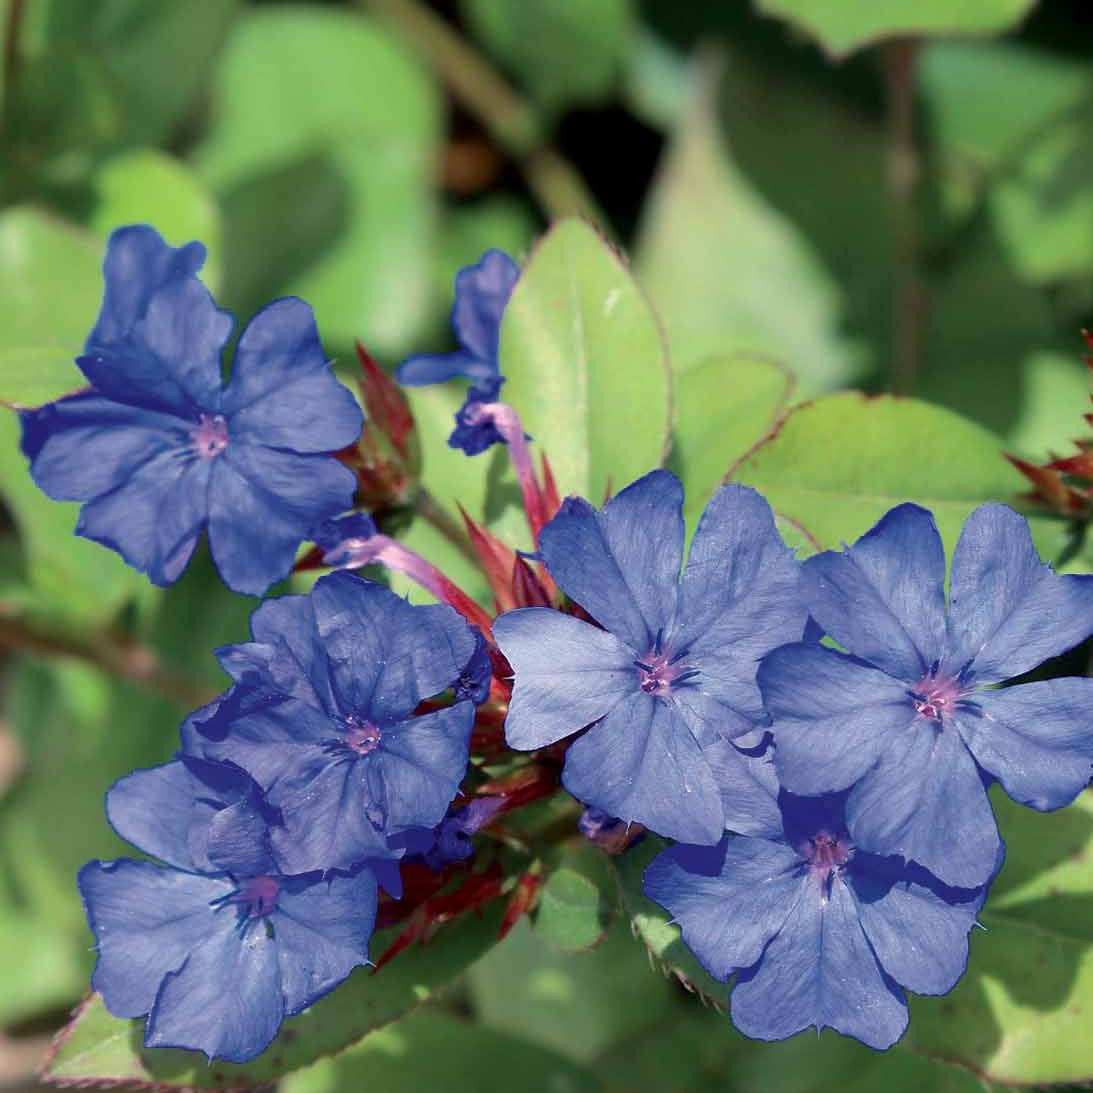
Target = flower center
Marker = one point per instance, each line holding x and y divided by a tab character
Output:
210	435
826	855
255	898
662	669
935	696
363	738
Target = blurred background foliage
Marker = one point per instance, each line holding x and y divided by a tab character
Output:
815	194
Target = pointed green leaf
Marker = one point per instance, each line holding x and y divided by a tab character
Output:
586	365
98	1048
842	26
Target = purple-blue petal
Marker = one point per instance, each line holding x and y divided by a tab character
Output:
1035	738
832	716
263	503
322	928
282	392
425	369
820	971
146	919
155	517
642	764
85	445
482	292
226	999
622	564
924	800
728	900
749	789
1008	610
567	674
883	598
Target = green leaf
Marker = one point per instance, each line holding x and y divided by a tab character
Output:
430	1052
145	186
836	465
579	1004
1021	1013
714	432
324	102
50	287
842	26
96	1047
578	900
727	272
586	366
567	52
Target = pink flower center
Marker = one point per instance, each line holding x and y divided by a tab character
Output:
210	436
362	738
936	696
661	669
258	896
826	856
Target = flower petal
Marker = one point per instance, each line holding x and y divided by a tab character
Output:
622	565
739	599
1035	738
385	654
283	393
153	810
820	971
749	789
420	763
154	518
145	919
567	674
169	359
924	800
883	599
481	293
84	445
226	999
832	716
728	900
424	369
918	928
322	930
1008	610
262	505
641	764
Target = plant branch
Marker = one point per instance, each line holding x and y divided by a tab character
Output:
432	512
510	119
904	171
122	658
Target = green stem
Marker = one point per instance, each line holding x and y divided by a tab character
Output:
510	119
432	512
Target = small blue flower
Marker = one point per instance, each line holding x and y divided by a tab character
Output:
912	718
160	449
322	717
668	685
450	840
338	538
214	948
817	932
481	293
474	681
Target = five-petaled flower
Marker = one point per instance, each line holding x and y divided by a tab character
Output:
216	947
668	683
321	716
482	292
909	716
160	449
817	932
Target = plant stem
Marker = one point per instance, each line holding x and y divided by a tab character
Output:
510	119
10	59
904	172
123	658
432	512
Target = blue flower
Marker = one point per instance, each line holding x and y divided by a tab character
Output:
160	449
338	538
911	718
474	681
215	948
450	840
321	717
669	682
481	293
817	932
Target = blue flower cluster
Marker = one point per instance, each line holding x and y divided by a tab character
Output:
293	798
829	798
160	449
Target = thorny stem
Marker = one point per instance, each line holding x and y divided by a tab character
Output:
904	171
509	119
432	512
123	658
